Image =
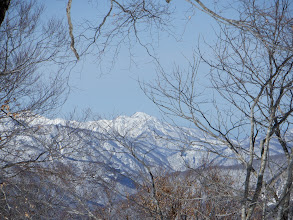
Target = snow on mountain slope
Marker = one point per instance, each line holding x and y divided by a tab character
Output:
130	144
137	141
121	150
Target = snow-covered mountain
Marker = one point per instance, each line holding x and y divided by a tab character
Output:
132	143
128	144
120	151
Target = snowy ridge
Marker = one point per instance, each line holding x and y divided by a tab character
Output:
153	142
121	149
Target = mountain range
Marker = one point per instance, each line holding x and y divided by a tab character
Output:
120	151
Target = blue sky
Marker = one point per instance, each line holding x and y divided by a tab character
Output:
117	91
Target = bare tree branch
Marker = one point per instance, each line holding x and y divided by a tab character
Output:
4	4
68	12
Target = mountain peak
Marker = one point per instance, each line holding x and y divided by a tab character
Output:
141	115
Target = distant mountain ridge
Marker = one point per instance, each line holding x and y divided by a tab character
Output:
154	141
121	150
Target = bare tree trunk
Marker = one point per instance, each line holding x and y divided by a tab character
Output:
4	4
286	206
